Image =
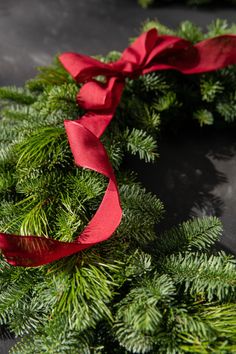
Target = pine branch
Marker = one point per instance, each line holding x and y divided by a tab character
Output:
54	338
166	102
141	210
46	146
16	95
210	88
140	142
48	76
212	277
138	316
196	234
189	31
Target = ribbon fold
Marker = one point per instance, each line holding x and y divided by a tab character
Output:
150	52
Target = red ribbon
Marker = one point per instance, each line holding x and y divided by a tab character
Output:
150	52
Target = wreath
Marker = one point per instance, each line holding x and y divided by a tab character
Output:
141	290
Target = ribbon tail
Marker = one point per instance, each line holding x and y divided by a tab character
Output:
32	251
106	220
209	55
214	53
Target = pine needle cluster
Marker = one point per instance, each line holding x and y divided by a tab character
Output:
138	292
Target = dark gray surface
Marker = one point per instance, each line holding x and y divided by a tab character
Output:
32	31
194	175
5	345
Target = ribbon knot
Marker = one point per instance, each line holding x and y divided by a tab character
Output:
150	52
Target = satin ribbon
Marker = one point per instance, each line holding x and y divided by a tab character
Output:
150	52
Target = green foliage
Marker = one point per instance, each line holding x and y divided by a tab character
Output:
219	27
190	31
207	98
145	3
140	142
141	212
213	276
204	117
56	338
57	308
209	89
192	235
184	302
162	29
166	98
140	291
139	317
227	108
16	95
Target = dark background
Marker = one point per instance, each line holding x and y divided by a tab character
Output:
196	173
33	31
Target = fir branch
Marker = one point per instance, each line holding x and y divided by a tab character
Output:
140	142
190	32
138	265
56	99
141	210
15	294
196	234
150	82
49	76
16	95
203	335
46	146
227	108
222	317
55	337
139	315
82	294
212	277
204	117
219	27
166	102
210	88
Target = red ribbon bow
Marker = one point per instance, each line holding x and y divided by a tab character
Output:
150	52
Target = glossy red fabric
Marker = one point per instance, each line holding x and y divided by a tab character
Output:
150	52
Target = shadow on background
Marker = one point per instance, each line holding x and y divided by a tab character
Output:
194	176
6	340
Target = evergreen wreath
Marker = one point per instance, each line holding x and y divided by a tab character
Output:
141	291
